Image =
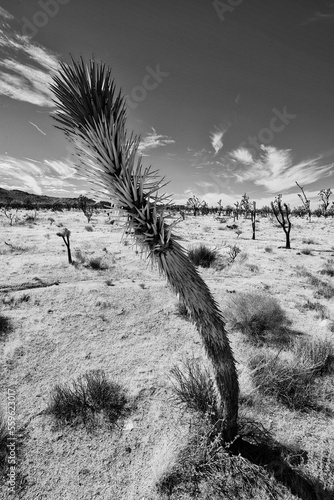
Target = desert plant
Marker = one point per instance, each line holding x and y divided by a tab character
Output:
324	198
233	253
5	326
87	207
268	249
306	251
82	399
257	315
220	204
202	256
194	387
289	382
89	229
328	268
94	119
315	354
308	241
65	234
282	213
182	310
11	215
305	201
79	256
253	219
97	263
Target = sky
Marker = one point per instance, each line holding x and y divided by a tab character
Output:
229	97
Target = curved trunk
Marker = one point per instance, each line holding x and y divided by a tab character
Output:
185	281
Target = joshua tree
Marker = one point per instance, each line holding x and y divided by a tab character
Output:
86	207
282	213
220	204
253	217
65	234
324	198
195	203
305	201
245	204
236	210
93	117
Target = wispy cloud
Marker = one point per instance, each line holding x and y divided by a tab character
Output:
36	126
318	17
242	155
217	139
154	140
26	67
275	169
5	14
34	176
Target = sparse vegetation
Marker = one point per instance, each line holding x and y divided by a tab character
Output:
306	251
84	398
97	264
258	316
89	229
5	326
202	256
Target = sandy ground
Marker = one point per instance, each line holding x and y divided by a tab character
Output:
130	328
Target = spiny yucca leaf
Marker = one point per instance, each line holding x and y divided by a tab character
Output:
93	117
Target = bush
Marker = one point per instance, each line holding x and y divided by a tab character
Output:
290	383
194	387
97	264
5	326
202	256
268	249
89	229
314	354
306	251
316	306
328	268
233	253
309	241
256	315
90	394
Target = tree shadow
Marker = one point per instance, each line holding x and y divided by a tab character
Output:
256	445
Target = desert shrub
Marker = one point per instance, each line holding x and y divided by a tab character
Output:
205	470
97	263
289	382
194	388
323	288
256	315
5	326
89	229
315	354
79	256
202	256
315	306
87	396
306	251
233	253
328	268
182	310
308	241
253	268
268	249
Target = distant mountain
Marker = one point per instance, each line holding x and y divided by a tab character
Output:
18	199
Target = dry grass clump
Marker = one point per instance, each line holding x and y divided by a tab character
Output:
202	256
306	251
194	388
89	229
315	354
268	249
5	326
323	288
84	398
309	241
258	316
290	383
315	306
97	263
328	268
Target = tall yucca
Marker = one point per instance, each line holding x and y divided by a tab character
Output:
93	117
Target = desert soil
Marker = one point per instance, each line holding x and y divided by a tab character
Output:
124	320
